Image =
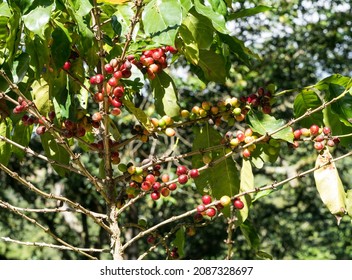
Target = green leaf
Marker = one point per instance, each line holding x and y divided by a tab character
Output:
334	79
61	47
124	14
329	185
82	7
264	255
140	115
349	202
55	152
238	48
250	12
213	66
37	19
264	123
5	148
218	21
40	96
165	95
250	234
220	179
114	130
343	106
246	184
116	25
20	67
21	135
304	101
161	20
179	241
337	127
200	29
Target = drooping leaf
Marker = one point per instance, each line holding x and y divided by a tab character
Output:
116	25
220	179
329	185
40	96
249	12
179	241
165	95
5	148
304	101
55	152
250	234
21	135
61	47
200	29
20	67
337	127
264	123
37	19
343	106
264	255
140	115
349	202
218	20
161	19
213	66
246	184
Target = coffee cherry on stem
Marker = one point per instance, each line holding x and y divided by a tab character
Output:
210	212
314	130
297	134
97	117
238	204
318	146
181	170
326	130
225	200
40	130
172	186
182	179
165	192
150	178
165	178
146	186
200	208
169	131
193	173
206	199
67	65
155	195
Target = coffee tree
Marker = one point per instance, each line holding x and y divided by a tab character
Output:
87	88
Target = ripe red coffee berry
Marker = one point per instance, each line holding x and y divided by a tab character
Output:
200	208
314	130
150	178
326	130
193	173
172	186
96	117
238	204
155	195
182	179
67	66
206	199
210	212
181	170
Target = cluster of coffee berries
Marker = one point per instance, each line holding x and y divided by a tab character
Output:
147	180
141	132
321	136
183	174
114	146
260	99
153	61
74	129
22	106
240	138
164	125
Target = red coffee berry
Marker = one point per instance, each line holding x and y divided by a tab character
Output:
200	208
150	178
155	195
297	134
109	68
206	199
238	204
318	146
156	186
210	212
183	179
181	170
172	186
146	186
326	130
314	130
67	65
40	130
193	173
